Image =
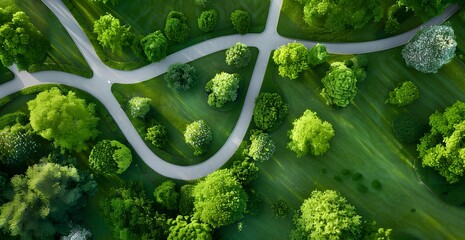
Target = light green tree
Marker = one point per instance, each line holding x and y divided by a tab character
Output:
198	136
261	146
207	20
110	157
406	93
139	106
340	85
238	55
292	59
241	21
111	34
183	228
222	89
166	195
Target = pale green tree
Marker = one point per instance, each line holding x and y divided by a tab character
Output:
110	157
238	55
139	106
292	59
198	135
222	89
111	34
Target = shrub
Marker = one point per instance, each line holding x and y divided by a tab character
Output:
207	20
261	146
222	89
139	106
176	28
245	171
345	172
404	94
17	145
240	21
157	135
181	77
238	55
137	48
269	111
340	85
198	136
155	46
166	195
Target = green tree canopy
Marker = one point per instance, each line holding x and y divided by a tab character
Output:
261	146
198	136
442	147
155	46
340	85
166	195
425	9
245	171
110	157
46	198
222	89
406	93
241	21
20	41
269	111
186	200
183	228
176	28
17	146
431	48
207	20
64	119
337	15
292	59
318	54
181	77
407	130
238	55
111	34
157	135
139	106
219	199
201	3
310	134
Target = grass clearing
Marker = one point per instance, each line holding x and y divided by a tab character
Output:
176	110
145	16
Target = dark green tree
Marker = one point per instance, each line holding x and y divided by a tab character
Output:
110	157
17	145
245	171
406	93
139	106
155	46
198	136
186	200
280	209
166	195
241	21
176	28
157	135
238	55
269	111
111	34
66	120
207	20
222	88
183	228
292	59
181	77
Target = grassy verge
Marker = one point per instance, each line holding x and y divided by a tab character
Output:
176	110
146	16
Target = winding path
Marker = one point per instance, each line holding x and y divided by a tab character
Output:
100	84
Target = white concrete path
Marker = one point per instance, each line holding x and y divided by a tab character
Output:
100	84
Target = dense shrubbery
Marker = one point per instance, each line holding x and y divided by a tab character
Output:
198	136
155	46
139	106
176	28
403	95
270	110
425	8
222	89
110	33
181	77
238	55
110	157
157	135
240	21
406	129
207	20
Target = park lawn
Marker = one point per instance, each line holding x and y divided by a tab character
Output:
145	16
292	25
5	74
176	110
364	143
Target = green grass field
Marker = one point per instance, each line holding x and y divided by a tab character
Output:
364	143
176	110
146	16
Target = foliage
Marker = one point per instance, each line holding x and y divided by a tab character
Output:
139	106
110	157
207	20
269	111
155	46
340	85
431	48
110	33
238	55
136	47
20	41
46	198
6	192
181	77
280	209
219	199
176	28
310	134
184	228
157	135
186	200
166	195
403	95
201	3
261	146
292	59
327	215
245	171
318	54
113	2
425	9
240	21
222	89
406	129
198	136
338	15
11	119
17	145
130	214
442	147
78	233
64	119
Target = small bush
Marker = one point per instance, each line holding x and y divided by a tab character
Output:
280	209
240	21
207	20
406	93
376	184
362	188
357	177
324	171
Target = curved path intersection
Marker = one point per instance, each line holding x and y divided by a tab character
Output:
100	84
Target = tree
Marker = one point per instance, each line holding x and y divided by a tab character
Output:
64	119
269	111
240	21
219	199
425	9
130	214
245	171
20	41
222	89
181	77
280	209
46	198
318	54
292	59
186	200
207	20
110	33
201	3
238	55
110	157
184	228
155	46
261	146
166	195
327	215
139	106
157	135
406	129
442	147
176	28
431	48
17	146
406	93
198	136
310	134
340	85
337	15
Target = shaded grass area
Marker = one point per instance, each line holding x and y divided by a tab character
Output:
291	24
176	110
364	144
145	16
5	74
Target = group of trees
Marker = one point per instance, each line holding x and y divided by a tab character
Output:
176	28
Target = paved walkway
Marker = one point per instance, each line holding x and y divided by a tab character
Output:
100	84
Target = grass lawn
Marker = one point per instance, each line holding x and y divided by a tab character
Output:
5	74
176	110
145	16
364	143
291	24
